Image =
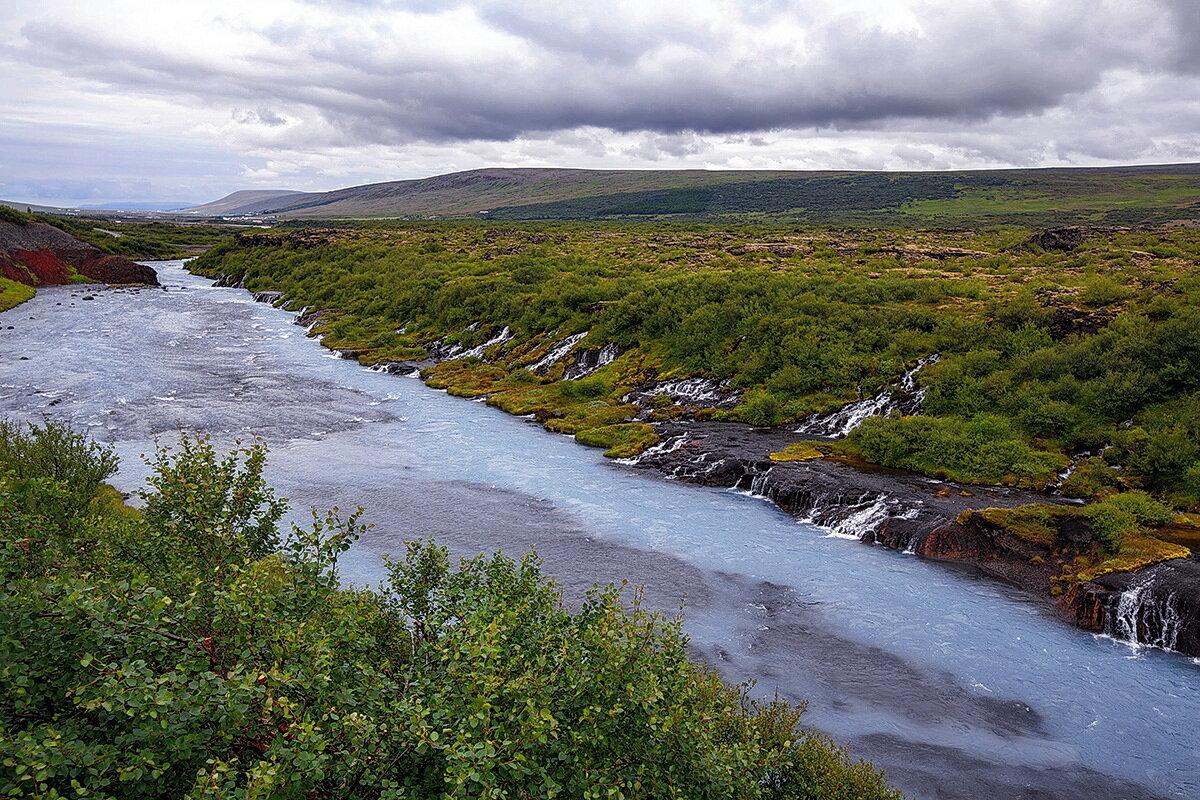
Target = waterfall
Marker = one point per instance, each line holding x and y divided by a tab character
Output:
901	395
702	392
589	361
557	352
1143	617
861	521
500	338
668	445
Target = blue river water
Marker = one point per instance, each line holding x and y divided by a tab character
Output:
958	686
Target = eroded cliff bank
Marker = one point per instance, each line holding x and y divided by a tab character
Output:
37	254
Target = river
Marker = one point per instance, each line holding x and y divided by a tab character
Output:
958	686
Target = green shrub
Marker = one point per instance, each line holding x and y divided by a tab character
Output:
1123	515
214	657
9	214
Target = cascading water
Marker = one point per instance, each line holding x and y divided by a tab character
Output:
1144	617
558	352
901	395
500	338
589	361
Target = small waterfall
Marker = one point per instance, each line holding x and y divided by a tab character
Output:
1143	618
901	395
500	338
271	298
438	350
760	484
669	445
862	521
557	352
589	361
702	392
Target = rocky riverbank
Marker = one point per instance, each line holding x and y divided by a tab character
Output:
943	521
939	520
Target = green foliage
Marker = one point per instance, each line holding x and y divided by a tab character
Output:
214	511
621	440
984	449
12	294
1125	515
50	476
10	214
193	650
1038	347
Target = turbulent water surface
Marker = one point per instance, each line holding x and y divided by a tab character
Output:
956	685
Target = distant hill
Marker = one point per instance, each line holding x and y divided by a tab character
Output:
246	202
1100	195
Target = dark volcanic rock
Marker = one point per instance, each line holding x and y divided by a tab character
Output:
37	254
1159	605
1066	238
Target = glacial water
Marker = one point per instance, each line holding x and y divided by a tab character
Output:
957	685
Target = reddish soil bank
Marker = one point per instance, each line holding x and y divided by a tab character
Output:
37	254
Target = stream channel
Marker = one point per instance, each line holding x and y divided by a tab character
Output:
957	685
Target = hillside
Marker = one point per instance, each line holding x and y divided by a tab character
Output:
246	201
37	254
1104	195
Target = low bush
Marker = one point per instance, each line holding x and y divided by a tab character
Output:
194	649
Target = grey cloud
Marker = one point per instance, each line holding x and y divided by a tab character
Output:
1185	19
971	64
992	82
261	116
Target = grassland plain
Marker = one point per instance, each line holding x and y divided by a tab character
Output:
1082	360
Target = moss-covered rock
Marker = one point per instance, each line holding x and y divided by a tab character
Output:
623	440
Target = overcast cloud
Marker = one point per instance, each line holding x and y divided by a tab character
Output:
111	101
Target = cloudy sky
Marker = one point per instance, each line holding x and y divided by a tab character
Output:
107	101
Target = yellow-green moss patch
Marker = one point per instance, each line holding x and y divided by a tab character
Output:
800	451
1137	552
463	379
12	294
597	414
624	440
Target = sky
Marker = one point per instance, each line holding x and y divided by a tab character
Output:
173	102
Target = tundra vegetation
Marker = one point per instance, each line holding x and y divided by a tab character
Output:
1081	353
193	648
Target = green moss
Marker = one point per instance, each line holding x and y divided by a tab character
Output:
110	504
623	441
1137	552
1035	523
597	414
12	294
464	379
800	451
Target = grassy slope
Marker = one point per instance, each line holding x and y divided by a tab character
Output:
1118	194
469	193
12	294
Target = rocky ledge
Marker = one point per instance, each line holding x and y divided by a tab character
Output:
37	254
940	520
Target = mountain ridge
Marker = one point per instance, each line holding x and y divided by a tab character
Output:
1097	194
